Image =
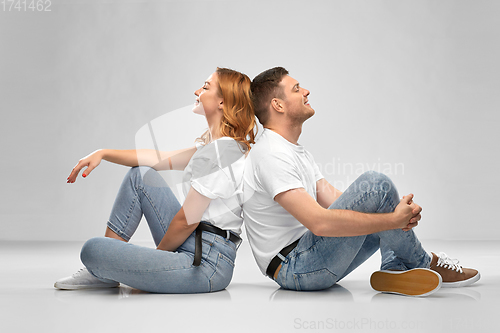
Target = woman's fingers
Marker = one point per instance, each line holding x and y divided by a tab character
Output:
88	170
72	176
90	161
74	173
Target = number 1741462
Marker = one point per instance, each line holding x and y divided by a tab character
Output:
26	5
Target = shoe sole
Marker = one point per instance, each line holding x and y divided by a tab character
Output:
463	283
414	282
83	286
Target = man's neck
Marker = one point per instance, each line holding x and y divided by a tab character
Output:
290	133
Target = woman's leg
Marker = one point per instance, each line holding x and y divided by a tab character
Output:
162	271
111	234
142	192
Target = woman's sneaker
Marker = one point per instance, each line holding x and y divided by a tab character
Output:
413	282
453	274
83	280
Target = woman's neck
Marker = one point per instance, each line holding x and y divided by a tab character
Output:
214	133
214	127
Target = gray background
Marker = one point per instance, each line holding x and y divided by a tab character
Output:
405	87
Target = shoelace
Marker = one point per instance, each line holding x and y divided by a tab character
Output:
446	262
79	272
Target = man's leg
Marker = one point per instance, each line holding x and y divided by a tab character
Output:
319	262
402	251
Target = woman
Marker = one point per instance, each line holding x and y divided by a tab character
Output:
191	256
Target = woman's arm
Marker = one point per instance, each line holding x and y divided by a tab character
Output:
158	160
172	160
165	160
185	221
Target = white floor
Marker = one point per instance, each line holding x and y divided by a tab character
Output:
252	303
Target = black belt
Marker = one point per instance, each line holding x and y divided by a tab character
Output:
273	265
214	230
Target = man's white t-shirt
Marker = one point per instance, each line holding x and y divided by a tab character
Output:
216	172
274	165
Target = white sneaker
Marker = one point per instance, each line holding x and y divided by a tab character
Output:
83	280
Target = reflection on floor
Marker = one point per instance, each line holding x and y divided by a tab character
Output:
252	303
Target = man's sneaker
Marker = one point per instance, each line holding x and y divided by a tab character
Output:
453	274
83	280
413	282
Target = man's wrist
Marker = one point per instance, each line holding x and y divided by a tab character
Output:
391	222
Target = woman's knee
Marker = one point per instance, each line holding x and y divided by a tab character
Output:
92	250
144	175
138	172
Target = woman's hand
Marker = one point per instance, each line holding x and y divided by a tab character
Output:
90	161
407	213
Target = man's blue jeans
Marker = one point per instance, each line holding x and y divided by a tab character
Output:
144	192
319	262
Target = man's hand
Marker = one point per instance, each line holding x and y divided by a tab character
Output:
407	213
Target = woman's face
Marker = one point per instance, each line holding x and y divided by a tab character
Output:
208	99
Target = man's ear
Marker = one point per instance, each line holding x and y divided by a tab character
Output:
277	104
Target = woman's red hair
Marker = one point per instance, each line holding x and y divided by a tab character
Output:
238	118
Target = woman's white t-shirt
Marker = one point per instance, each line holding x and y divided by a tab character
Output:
216	172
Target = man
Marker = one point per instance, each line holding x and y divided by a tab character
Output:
307	235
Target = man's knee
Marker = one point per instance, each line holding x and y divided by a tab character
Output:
374	178
376	181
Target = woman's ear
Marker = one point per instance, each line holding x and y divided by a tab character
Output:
221	104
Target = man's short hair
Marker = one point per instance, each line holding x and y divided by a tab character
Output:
265	87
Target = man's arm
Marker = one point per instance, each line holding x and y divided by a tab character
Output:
326	194
345	223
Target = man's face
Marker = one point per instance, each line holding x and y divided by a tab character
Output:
295	100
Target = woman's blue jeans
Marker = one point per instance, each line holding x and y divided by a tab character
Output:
144	192
319	262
